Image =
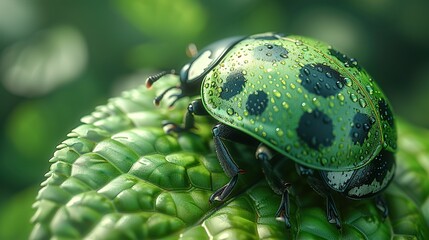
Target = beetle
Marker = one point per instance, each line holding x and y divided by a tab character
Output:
298	99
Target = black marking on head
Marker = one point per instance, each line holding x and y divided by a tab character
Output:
316	129
270	52
385	112
234	84
361	125
348	62
257	103
321	79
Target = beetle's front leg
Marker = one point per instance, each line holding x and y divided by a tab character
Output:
221	131
196	107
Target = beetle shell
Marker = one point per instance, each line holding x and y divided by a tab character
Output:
302	98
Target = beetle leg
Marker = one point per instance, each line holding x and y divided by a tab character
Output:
194	108
223	192
283	212
381	206
322	189
277	184
332	212
230	168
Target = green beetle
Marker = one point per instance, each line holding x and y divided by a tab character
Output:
295	98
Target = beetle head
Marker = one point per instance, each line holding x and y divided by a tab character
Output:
192	74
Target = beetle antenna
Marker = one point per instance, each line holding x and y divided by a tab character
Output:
151	79
159	98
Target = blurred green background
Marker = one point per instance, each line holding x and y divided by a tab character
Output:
60	59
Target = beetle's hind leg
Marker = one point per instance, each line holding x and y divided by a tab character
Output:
381	205
196	107
277	184
332	212
314	180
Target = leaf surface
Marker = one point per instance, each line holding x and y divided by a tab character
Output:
119	176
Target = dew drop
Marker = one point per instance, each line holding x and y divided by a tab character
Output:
324	161
306	71
230	111
362	102
328	75
369	89
275	108
366	126
279	132
316	102
348	82
305	107
354	62
340	97
285	105
327	86
353	97
277	93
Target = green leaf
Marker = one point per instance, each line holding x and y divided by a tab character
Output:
119	176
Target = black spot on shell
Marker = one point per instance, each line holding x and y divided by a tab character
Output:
362	124
316	129
348	62
257	103
385	112
321	79
234	84
270	52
